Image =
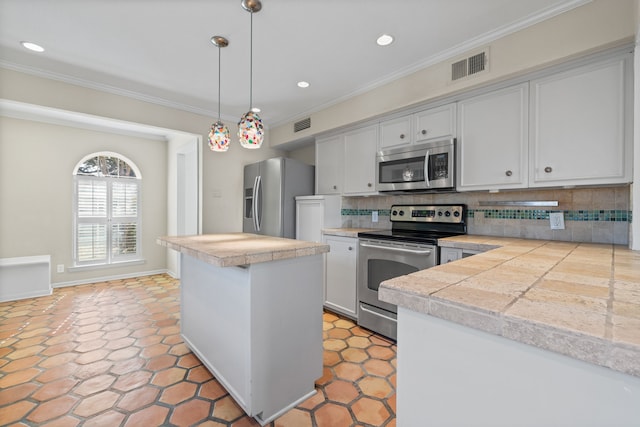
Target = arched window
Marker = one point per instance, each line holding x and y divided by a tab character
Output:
107	220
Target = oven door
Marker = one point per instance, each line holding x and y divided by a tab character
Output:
380	260
418	167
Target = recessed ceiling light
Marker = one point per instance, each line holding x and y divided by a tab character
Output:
384	40
32	46
303	84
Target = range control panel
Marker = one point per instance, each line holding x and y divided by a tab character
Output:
452	214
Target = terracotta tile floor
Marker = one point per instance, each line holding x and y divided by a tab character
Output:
110	354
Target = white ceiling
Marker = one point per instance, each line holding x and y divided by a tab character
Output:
159	50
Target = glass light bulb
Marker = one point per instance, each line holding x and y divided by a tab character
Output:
250	130
219	137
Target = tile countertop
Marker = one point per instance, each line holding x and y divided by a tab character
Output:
234	249
578	299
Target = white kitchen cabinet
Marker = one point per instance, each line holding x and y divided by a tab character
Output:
492	140
395	132
581	126
330	165
360	148
314	213
345	164
340	275
435	123
429	124
450	255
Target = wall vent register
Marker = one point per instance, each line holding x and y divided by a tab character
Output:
302	124
469	66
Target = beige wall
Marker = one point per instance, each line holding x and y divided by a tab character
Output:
36	166
591	27
222	172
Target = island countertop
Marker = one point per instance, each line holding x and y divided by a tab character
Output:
578	299
235	249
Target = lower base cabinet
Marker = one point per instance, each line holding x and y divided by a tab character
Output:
340	275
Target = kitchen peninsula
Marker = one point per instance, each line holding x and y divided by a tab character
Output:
251	310
526	333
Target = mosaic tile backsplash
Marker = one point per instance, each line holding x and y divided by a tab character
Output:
598	215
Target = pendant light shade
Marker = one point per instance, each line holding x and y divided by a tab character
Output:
250	126
219	136
250	130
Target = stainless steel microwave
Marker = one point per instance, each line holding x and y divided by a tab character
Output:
417	167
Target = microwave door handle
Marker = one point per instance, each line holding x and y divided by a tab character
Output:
426	169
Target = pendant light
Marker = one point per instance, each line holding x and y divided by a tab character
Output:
250	127
219	137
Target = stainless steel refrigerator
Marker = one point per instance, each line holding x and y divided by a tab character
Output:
270	188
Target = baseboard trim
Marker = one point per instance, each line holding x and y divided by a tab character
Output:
107	278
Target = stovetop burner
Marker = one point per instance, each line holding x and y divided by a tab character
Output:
422	223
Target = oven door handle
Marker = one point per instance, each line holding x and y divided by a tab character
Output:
389	248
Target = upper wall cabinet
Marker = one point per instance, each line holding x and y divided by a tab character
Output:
330	165
429	124
435	123
360	160
492	140
395	132
581	126
345	164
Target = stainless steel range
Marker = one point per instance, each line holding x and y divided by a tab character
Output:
411	245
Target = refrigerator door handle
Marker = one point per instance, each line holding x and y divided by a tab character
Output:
256	202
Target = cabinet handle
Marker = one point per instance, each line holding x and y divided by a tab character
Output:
402	136
423	131
350	248
335	187
548	169
369	184
508	173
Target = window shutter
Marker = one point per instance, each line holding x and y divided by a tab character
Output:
124	213
92	198
124	201
92	242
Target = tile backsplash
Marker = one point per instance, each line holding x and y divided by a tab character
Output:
598	215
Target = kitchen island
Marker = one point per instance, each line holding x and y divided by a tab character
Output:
526	333
251	310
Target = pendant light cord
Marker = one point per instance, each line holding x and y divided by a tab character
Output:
251	65
218	83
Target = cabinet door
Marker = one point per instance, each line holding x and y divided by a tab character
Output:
492	140
580	131
309	220
435	123
450	255
395	132
330	165
340	286
360	160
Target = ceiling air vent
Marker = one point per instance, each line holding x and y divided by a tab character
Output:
469	66
302	124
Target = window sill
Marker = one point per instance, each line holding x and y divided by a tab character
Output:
103	266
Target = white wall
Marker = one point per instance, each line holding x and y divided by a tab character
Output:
36	187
